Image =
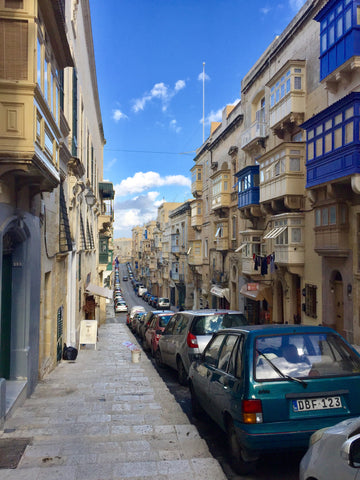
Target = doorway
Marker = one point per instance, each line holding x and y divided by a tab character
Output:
5	332
337	288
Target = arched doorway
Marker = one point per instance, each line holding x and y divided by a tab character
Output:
12	273
337	289
6	299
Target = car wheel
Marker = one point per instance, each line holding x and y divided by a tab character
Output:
182	375
158	359
196	408
239	464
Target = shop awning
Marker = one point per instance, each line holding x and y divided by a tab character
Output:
257	292
220	292
275	232
101	291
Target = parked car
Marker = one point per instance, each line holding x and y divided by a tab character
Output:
141	290
155	330
334	452
134	309
121	307
162	302
187	334
146	322
150	299
153	301
136	321
269	387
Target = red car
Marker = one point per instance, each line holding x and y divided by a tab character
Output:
155	330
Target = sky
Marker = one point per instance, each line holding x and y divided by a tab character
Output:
149	62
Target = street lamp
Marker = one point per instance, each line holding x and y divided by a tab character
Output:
90	198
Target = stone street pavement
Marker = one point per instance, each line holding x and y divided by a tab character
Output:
103	417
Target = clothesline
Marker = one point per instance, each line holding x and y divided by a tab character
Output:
265	263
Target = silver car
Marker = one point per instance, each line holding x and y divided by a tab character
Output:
188	333
334	453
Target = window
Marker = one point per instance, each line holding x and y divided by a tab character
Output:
296	235
226	352
38	66
297	83
49	142
310	300
212	351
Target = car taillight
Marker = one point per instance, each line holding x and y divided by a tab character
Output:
192	341
252	411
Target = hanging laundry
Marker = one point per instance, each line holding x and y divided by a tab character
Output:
264	266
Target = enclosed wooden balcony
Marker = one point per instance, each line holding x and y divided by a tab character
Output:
332	230
196	181
196	214
287	98
257	131
282	176
286	239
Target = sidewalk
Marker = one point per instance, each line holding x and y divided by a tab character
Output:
103	417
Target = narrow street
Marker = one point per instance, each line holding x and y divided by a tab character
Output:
272	467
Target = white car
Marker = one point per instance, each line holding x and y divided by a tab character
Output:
334	453
121	307
163	303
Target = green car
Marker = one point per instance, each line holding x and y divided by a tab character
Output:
269	387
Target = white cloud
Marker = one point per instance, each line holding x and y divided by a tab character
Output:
174	126
201	76
265	10
296	4
213	116
159	91
118	115
142	181
179	85
135	211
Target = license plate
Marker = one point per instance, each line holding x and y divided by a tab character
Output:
323	403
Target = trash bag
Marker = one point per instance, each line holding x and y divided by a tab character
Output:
69	353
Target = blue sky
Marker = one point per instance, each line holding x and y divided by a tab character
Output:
149	62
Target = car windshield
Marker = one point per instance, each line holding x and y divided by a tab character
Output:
165	300
304	355
164	320
208	324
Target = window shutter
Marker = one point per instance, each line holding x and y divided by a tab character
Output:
14	49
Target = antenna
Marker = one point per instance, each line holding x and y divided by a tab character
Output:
203	102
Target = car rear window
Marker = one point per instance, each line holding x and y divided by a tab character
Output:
164	320
208	324
304	355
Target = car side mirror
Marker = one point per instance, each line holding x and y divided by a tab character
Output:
350	451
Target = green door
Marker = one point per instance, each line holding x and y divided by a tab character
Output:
5	331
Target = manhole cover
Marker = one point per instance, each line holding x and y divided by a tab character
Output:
11	450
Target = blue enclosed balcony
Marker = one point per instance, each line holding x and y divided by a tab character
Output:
339	40
333	143
248	186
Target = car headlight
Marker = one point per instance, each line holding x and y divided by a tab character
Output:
316	436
